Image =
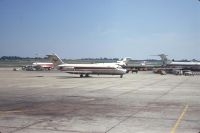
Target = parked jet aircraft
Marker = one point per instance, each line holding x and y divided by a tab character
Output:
89	69
38	66
175	67
194	66
44	65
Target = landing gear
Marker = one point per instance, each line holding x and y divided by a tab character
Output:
86	75
121	76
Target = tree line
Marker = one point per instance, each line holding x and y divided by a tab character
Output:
39	58
19	58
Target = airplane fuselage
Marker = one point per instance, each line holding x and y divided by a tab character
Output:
44	65
195	66
100	68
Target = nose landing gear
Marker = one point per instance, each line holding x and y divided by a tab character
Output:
86	75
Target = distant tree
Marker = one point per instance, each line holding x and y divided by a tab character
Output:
20	58
194	60
10	58
184	60
115	58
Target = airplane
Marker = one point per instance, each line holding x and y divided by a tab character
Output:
176	67
43	65
183	65
38	66
90	69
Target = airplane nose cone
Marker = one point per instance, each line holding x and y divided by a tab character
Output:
124	71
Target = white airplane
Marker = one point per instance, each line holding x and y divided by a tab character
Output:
89	69
176	67
194	66
44	65
38	66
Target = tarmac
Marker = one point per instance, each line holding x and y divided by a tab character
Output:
56	102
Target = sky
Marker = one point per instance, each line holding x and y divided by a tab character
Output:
100	28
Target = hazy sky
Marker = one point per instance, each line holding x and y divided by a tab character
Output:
100	28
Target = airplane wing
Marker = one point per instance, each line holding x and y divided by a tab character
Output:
177	68
165	69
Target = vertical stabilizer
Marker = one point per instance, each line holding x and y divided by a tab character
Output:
55	59
164	59
124	61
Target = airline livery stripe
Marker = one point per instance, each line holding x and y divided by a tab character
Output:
94	68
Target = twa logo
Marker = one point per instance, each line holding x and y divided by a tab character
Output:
54	60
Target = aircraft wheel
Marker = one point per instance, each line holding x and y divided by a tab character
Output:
121	76
81	75
86	75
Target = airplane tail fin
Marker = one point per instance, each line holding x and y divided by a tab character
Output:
124	61
143	63
164	59
55	59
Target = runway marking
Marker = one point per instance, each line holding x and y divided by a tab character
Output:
179	119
